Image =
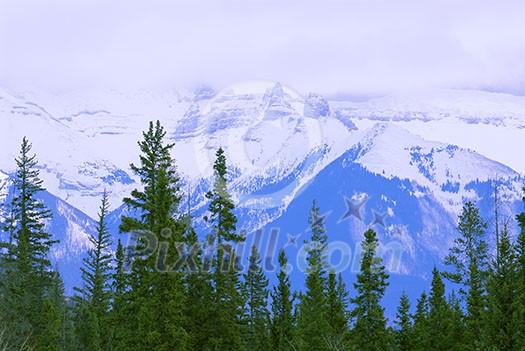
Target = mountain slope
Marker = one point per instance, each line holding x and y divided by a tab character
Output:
283	150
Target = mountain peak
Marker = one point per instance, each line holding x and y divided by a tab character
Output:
316	106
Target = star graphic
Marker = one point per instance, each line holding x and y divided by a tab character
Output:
400	231
292	240
379	219
353	209
321	219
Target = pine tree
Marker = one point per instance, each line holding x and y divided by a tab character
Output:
256	310
95	294
227	300
370	331
468	259
27	277
65	327
313	323
456	322
441	327
118	333
221	206
404	324
199	287
501	290
337	309
519	301
421	335
283	321
156	319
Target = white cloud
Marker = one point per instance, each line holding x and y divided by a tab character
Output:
328	47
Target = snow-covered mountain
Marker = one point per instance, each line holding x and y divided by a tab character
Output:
402	164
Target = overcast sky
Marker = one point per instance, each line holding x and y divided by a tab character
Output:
358	47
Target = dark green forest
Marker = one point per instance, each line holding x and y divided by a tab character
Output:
179	295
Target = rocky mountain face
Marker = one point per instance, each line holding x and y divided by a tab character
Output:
400	164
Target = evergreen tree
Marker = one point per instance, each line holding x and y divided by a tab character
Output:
440	323
457	322
421	335
337	309
199	308
95	294
313	322
370	331
282	323
119	332
156	319
65	325
221	206
404	324
256	309
501	290
227	300
468	259
519	301
27	277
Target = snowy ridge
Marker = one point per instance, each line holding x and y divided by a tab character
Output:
277	143
447	170
468	105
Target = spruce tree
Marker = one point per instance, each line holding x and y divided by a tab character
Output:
256	317
283	320
156	319
227	299
457	322
199	287
337	309
501	291
421	336
221	205
95	294
370	332
119	332
313	322
440	324
468	259
519	301
27	278
404	324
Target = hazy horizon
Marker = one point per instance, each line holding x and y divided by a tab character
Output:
333	48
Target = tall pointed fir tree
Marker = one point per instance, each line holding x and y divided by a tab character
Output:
282	329
421	334
256	316
227	299
337	308
519	301
118	331
404	324
199	291
440	317
27	277
313	326
221	206
457	320
95	294
468	259
156	319
370	332
501	291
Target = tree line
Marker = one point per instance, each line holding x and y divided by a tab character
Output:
163	300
